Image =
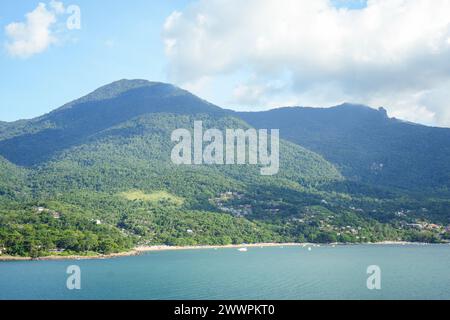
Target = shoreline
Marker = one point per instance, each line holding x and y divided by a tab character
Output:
144	249
71	257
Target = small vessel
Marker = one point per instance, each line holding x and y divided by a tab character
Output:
243	249
309	249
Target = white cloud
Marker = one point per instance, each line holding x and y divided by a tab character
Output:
392	52
34	35
57	6
270	93
249	94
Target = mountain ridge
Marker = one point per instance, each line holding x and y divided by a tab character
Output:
118	87
95	176
366	144
358	139
102	108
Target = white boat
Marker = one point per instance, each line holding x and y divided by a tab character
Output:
243	249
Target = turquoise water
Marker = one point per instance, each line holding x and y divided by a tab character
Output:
407	272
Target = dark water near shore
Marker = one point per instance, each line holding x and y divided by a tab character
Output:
408	272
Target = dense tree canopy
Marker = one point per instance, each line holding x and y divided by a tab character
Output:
95	176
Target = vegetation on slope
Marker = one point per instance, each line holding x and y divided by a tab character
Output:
95	176
366	145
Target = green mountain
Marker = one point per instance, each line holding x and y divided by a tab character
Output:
33	142
12	179
95	176
366	145
100	158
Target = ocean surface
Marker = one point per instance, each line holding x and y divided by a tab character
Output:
326	272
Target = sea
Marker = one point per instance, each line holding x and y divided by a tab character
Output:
356	272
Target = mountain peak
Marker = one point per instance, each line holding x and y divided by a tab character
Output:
117	88
104	108
127	84
120	86
353	109
354	106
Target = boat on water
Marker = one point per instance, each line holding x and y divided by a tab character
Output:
242	249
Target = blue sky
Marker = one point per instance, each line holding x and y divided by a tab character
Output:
117	40
350	4
244	55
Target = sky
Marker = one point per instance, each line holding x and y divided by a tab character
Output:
244	55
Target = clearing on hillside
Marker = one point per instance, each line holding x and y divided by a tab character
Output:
157	197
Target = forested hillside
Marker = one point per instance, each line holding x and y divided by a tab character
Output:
366	145
106	107
12	179
95	176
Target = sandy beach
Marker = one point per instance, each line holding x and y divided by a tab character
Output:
143	249
231	246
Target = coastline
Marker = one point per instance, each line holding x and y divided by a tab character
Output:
71	257
144	249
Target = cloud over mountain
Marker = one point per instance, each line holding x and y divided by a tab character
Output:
390	52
